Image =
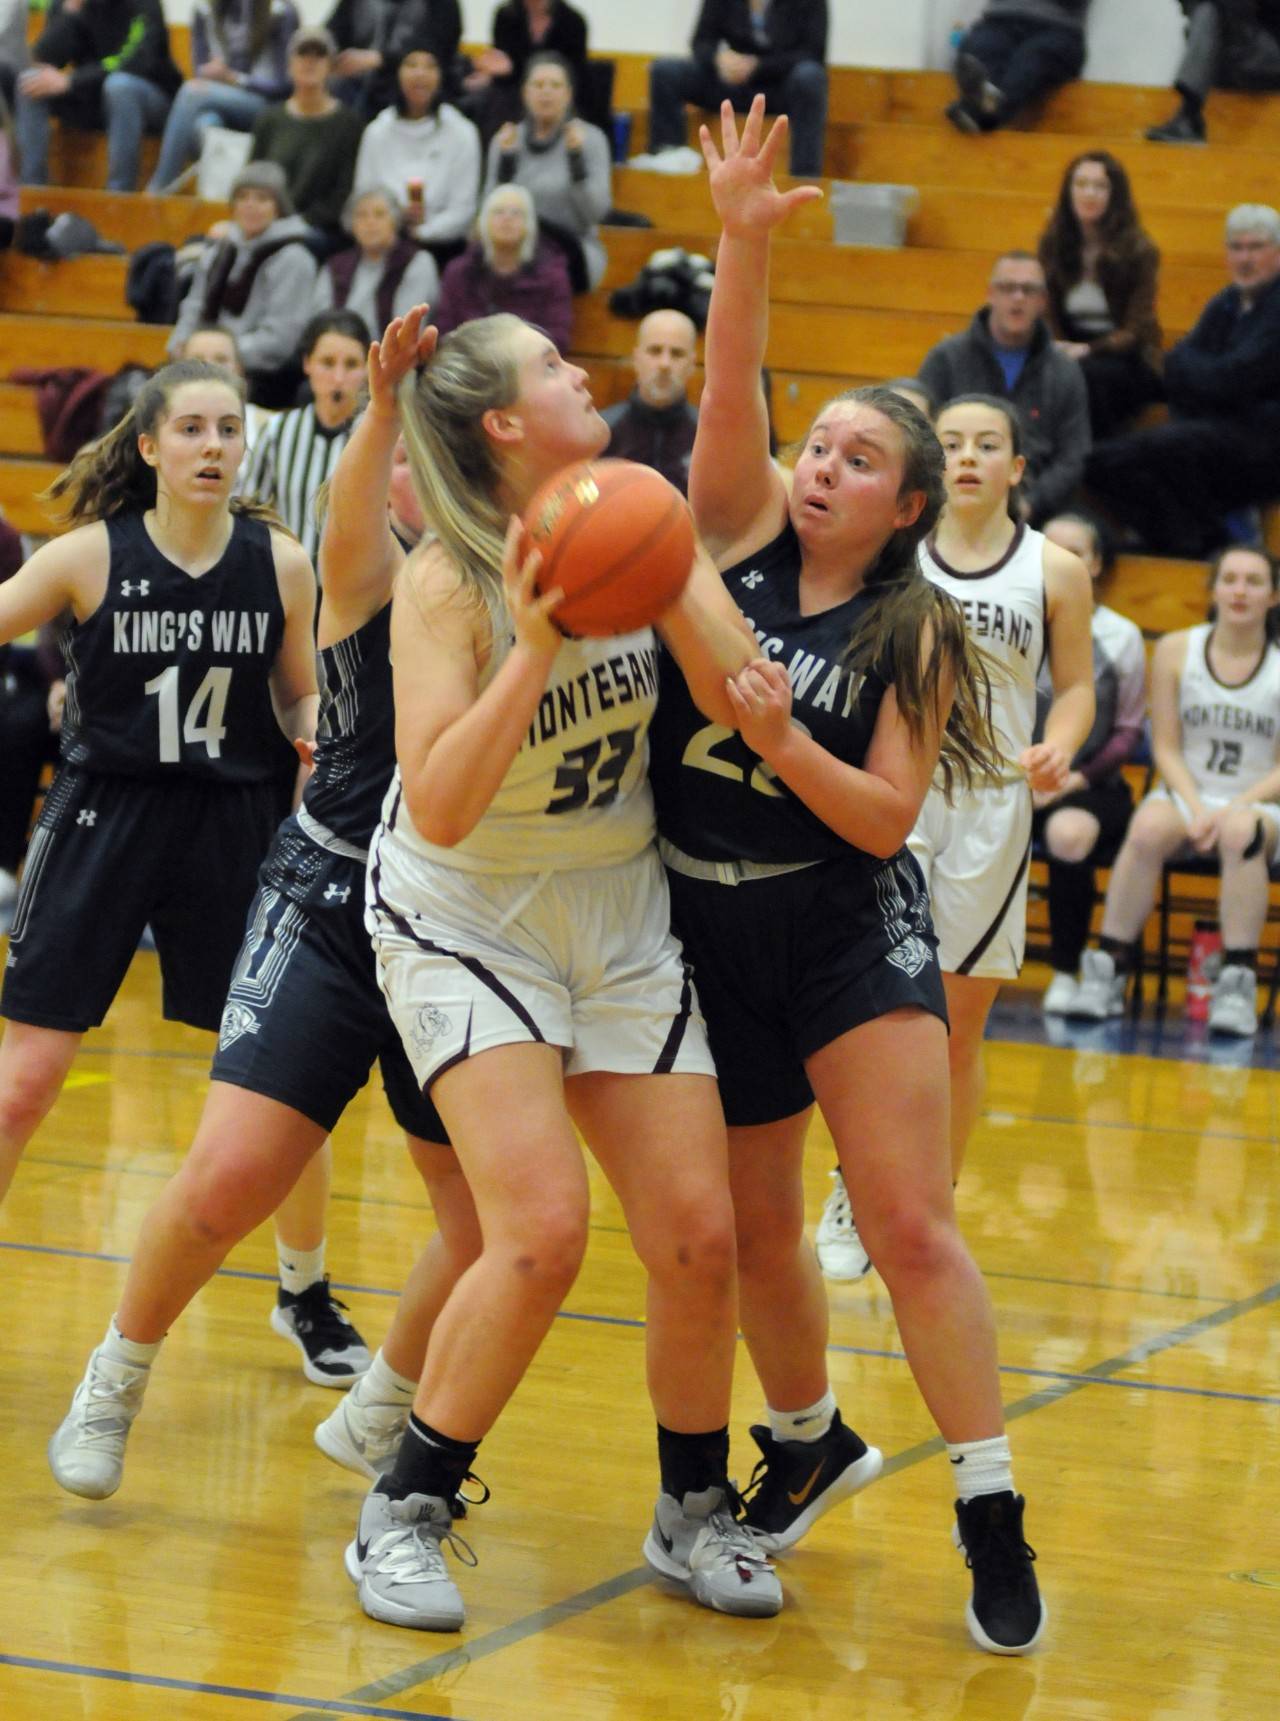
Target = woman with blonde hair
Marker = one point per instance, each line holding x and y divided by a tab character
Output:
508	267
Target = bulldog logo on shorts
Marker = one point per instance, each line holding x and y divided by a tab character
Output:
428	1025
237	1019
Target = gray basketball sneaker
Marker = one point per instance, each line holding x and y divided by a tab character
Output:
86	1454
364	1437
397	1561
698	1543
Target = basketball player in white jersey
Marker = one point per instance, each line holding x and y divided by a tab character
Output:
1023	597
1215	721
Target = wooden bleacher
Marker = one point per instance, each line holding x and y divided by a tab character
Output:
841	314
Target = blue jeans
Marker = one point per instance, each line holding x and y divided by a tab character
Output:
801	95
133	106
197	106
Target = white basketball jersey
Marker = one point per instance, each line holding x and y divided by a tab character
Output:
1004	611
1228	733
577	793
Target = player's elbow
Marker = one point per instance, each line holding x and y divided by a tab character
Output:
442	826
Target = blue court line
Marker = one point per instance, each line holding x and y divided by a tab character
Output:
1064	1387
158	1682
1086	1377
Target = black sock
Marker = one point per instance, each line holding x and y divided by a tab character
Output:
1120	952
428	1462
1240	959
691	1463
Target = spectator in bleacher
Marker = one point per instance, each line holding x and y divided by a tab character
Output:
314	137
657	422
563	162
1017	52
9	196
425	150
218	347
741	48
1082	824
1100	272
383	275
299	449
1008	350
508	266
1174	485
240	52
14	15
520	29
1215	693
374	35
255	280
1233	44
98	65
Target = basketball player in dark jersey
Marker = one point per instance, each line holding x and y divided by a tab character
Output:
304	1020
190	638
805	918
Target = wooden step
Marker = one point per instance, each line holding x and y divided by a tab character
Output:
49	341
130	219
21	482
65	289
1160	593
809	272
1213	178
19	422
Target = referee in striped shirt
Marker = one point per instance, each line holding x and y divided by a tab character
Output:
299	449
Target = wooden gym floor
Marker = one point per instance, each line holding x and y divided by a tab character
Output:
1124	1208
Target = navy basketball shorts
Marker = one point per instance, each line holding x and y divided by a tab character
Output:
786	964
111	855
305	1020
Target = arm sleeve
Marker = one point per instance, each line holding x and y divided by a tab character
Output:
419	285
1247	372
592	195
811	44
260	478
191	308
1057	479
935	374
269	76
1141	326
453	191
280	297
708	31
557	307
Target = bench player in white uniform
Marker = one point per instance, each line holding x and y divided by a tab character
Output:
1215	719
1022	597
521	924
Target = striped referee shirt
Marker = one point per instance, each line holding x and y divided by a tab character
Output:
294	456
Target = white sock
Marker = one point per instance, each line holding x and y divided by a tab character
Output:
981	1467
380	1384
300	1268
121	1349
805	1425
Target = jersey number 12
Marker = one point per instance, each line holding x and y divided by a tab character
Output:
205	714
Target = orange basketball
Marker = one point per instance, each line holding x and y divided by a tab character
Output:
617	539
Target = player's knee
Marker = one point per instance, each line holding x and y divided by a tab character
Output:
27	1095
697	1244
1069	842
910	1246
1238	834
546	1253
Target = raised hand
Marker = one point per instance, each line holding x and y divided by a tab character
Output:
405	344
741	173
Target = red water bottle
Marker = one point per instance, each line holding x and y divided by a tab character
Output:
1204	959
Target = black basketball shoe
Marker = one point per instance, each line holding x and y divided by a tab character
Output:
1005	1613
796	1481
333	1353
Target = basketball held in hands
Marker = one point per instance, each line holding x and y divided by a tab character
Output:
617	539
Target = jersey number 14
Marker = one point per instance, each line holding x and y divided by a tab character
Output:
205	716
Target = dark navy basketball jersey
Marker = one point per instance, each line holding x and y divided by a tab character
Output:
170	673
356	732
716	798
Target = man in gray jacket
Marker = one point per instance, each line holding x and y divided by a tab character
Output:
1008	350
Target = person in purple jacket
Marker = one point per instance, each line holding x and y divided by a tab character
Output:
240	52
508	267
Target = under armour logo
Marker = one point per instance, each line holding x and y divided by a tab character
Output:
752	580
333	894
85	817
142	587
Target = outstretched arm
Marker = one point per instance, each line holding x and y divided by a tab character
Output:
359	555
734	487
